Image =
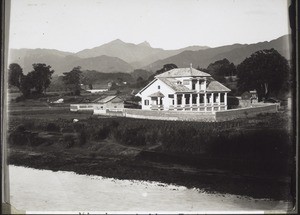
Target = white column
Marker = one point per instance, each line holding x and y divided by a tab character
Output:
225	101
205	101
212	102
175	101
219	100
183	101
191	99
198	99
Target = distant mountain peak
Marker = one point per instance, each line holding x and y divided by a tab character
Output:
117	41
145	43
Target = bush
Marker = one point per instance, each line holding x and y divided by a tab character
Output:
82	137
102	133
69	140
52	127
20	98
17	138
78	127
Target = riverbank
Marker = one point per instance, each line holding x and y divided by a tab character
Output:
131	166
66	191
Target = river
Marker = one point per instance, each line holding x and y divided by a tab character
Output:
38	191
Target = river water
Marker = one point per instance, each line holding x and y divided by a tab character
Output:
37	191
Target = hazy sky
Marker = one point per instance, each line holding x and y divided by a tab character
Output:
73	25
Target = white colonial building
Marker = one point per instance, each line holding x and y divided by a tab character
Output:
184	89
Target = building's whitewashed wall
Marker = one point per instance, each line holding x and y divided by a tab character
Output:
156	86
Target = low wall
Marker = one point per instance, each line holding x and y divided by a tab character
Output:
169	115
245	112
190	115
82	107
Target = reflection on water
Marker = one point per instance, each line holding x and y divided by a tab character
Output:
45	190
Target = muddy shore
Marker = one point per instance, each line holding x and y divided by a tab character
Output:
135	167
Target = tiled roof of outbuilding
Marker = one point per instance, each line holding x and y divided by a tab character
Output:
104	100
183	72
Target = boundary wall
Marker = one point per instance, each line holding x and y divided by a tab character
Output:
192	115
245	112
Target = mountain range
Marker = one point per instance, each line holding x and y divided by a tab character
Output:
235	53
118	56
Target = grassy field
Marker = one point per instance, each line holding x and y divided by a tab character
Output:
249	157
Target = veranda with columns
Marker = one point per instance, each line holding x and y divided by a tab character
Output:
199	101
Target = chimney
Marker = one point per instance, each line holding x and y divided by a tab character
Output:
191	65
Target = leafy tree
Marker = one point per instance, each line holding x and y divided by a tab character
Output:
220	69
40	77
113	86
265	70
72	80
26	85
140	82
166	68
15	75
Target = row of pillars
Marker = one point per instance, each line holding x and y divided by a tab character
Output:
183	103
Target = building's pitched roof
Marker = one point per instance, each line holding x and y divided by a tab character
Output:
157	94
107	99
215	86
183	72
151	82
172	83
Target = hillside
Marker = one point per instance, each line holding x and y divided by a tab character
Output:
95	77
64	61
137	55
235	53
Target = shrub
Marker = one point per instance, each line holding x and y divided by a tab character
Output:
20	98
82	137
68	140
52	127
78	127
102	133
17	138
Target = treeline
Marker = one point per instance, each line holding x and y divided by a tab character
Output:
35	82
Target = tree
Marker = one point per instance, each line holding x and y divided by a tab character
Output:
220	69
166	68
265	70
26	85
72	80
140	82
15	74
40	77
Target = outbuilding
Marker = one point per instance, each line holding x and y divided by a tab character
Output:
110	103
